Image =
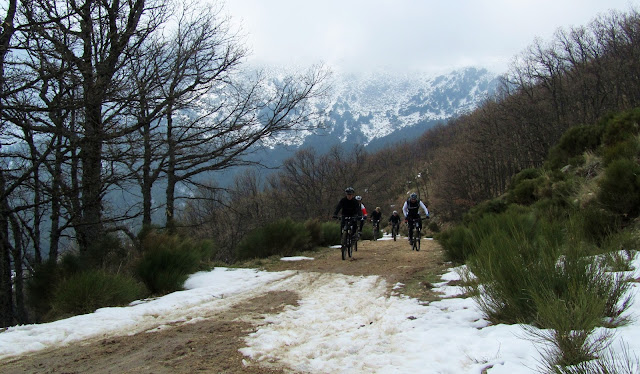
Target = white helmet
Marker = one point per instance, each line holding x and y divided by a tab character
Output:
358	197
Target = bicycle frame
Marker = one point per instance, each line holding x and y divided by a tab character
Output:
395	229
416	234
349	229
376	228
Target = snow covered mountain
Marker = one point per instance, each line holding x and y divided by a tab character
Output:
376	109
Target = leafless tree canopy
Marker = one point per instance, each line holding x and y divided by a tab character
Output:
104	99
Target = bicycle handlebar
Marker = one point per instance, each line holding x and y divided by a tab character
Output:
346	218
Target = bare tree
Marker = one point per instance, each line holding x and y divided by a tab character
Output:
234	121
90	43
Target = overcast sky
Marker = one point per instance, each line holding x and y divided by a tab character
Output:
427	35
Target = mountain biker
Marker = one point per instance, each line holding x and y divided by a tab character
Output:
350	208
411	210
364	214
376	216
395	218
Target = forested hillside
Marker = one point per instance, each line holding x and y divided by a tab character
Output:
578	78
78	122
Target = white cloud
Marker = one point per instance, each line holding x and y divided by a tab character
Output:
405	34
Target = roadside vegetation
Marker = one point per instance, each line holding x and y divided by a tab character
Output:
549	252
537	191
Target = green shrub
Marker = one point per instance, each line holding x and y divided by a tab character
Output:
522	259
283	238
330	234
597	224
619	245
43	279
621	127
516	252
168	260
164	270
576	300
524	186
89	290
457	242
486	207
314	227
620	187
572	144
627	149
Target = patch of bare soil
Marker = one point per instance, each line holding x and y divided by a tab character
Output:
211	346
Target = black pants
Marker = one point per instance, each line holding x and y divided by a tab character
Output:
353	222
411	222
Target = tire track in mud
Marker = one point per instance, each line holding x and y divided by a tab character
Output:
214	331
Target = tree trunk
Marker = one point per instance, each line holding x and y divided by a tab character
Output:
6	290
90	227
171	176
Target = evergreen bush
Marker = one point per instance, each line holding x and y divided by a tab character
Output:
621	127
457	243
598	224
89	290
486	207
572	144
330	233
44	278
620	188
523	260
523	187
283	238
627	149
314	227
168	260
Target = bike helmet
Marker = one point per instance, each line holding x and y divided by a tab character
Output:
395	212
414	195
358	197
349	190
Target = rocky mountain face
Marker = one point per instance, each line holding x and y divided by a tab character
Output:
377	109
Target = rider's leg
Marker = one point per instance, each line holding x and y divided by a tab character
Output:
410	223
343	229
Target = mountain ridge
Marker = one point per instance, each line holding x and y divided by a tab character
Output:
380	108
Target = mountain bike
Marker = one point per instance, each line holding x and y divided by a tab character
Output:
376	229
415	238
349	236
394	230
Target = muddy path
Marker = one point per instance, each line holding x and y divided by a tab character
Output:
211	345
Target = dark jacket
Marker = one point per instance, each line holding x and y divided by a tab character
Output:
376	216
394	218
350	208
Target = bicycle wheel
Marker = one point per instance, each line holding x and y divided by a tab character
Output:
417	240
394	232
354	246
345	243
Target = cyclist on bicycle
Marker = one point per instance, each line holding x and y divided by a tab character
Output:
350	208
376	216
411	210
395	218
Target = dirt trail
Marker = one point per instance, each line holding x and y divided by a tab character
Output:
211	346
